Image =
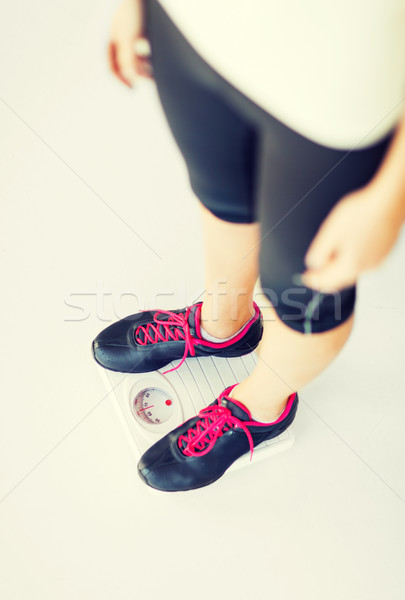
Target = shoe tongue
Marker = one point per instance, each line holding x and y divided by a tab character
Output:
192	318
237	409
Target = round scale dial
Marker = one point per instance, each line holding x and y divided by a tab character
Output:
152	405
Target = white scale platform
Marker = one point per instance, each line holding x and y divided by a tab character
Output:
150	405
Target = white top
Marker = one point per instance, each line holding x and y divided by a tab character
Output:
333	71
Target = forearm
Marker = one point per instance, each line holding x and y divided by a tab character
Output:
389	179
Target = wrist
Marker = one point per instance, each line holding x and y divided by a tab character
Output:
143	10
388	183
388	198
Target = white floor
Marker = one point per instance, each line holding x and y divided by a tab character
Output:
97	222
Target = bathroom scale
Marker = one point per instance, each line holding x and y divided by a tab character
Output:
150	405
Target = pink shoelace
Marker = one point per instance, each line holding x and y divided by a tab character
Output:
175	327
214	422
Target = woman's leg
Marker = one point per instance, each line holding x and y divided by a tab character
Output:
275	177
300	182
219	148
229	279
288	360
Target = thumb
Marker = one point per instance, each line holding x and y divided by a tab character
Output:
335	275
127	61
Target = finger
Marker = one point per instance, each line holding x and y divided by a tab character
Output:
322	248
111	57
335	275
126	60
143	53
144	68
142	47
113	62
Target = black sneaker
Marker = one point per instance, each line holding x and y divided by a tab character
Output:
150	340
199	451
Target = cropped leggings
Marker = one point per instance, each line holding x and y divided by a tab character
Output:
246	166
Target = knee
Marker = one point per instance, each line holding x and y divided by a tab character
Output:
303	309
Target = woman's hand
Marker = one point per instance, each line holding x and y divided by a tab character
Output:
356	236
127	29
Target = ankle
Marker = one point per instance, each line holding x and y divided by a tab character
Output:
263	409
224	325
222	330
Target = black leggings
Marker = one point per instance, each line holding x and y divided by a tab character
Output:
245	166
